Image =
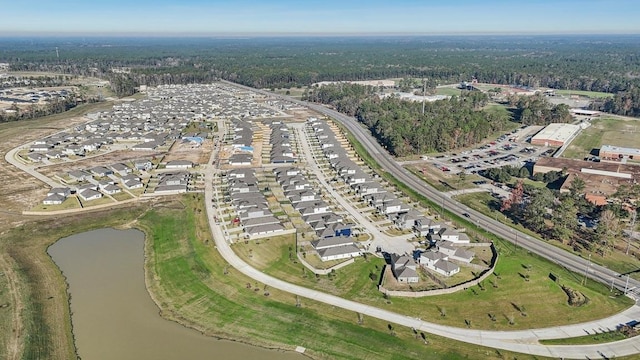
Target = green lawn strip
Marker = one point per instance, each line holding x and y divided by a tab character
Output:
616	261
591	94
196	286
448	91
599	338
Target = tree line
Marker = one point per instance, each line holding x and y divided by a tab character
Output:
34	111
593	63
404	129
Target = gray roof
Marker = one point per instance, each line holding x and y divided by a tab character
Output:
331	242
446	266
339	250
264	228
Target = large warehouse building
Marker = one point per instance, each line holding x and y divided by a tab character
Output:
609	152
556	135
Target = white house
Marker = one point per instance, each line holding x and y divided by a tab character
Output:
89	194
54	199
404	269
179	164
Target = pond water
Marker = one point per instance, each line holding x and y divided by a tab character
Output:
112	313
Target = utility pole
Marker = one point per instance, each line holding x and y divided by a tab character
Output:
626	285
632	225
424	93
586	269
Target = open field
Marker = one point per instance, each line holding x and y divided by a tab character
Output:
195	286
450	91
590	94
599	338
604	131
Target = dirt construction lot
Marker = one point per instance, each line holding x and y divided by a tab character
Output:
20	192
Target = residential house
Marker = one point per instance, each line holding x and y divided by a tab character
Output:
404	268
121	169
336	248
179	164
89	194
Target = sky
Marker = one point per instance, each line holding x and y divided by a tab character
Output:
207	17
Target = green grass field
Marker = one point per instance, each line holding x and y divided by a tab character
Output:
591	94
196	286
448	91
600	338
475	304
604	131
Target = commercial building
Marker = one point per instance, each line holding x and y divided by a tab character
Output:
602	179
556	135
609	152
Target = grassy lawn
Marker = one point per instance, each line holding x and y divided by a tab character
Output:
195	286
587	339
501	109
604	131
70	203
121	196
448	91
591	94
544	301
101	201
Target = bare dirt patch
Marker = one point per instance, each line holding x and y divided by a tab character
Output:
188	151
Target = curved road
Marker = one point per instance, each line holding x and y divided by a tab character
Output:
523	341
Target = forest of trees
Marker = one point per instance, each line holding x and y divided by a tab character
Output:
625	103
34	111
403	128
595	63
555	215
536	110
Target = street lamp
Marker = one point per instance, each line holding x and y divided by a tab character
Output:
586	270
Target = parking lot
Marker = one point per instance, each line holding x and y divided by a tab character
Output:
508	149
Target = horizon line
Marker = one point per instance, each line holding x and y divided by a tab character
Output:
299	34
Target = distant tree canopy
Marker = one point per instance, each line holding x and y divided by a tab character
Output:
594	63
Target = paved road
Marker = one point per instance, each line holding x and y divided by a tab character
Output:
395	244
12	159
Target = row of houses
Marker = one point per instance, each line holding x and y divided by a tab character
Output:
333	232
251	206
215	100
241	143
281	150
148	123
372	193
